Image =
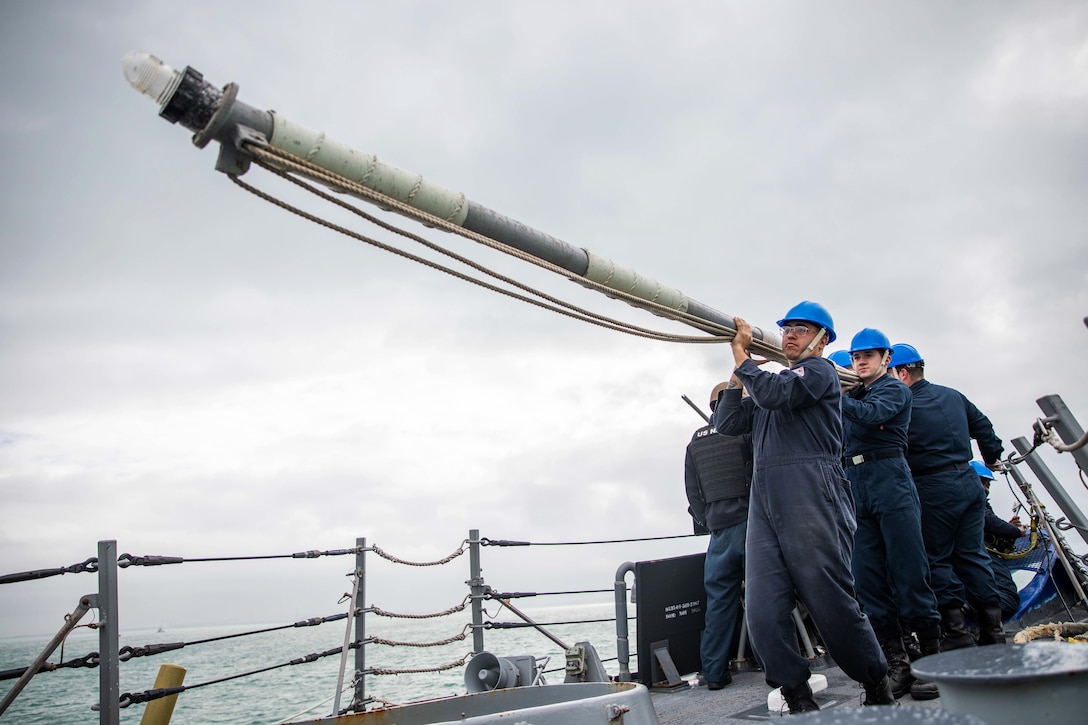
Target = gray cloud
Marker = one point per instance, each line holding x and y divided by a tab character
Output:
193	372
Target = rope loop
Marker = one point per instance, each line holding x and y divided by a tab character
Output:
438	643
398	615
445	560
420	670
286	165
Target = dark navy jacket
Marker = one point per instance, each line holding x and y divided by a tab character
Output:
717	474
942	423
794	414
999	533
875	417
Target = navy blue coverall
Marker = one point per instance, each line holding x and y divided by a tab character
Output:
716	505
890	567
1000	535
800	521
943	422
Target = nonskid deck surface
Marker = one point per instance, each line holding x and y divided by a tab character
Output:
745	700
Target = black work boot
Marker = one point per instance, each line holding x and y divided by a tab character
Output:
898	665
879	693
990	629
799	699
924	689
954	626
910	645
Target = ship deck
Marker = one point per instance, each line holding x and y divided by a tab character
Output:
745	699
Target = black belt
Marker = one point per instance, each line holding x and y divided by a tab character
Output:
941	469
870	456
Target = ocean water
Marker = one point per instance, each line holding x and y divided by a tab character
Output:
67	695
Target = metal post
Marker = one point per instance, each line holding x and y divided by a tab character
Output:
359	705
353	606
1060	546
1067	426
623	641
85	605
525	618
109	675
1053	487
476	590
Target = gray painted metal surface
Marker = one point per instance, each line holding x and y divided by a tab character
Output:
1012	684
745	701
625	703
884	716
109	635
1050	483
1065	423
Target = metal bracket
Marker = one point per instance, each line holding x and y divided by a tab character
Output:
219	118
668	668
576	661
233	159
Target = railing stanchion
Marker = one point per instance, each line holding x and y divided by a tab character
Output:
623	642
360	626
476	589
109	668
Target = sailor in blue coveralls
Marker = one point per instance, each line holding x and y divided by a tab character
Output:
717	476
1000	536
801	513
943	422
890	566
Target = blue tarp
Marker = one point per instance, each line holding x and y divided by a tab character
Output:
1041	560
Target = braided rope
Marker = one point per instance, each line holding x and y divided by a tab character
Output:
574	313
398	615
389	557
273	159
1058	631
438	643
448	666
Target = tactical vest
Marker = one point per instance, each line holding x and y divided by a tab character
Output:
724	464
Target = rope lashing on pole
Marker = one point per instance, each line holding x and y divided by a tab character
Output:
724	334
272	159
248	135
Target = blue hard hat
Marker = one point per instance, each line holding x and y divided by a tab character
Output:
982	470
840	358
904	354
870	339
812	312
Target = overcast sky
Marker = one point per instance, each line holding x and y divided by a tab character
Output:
193	372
